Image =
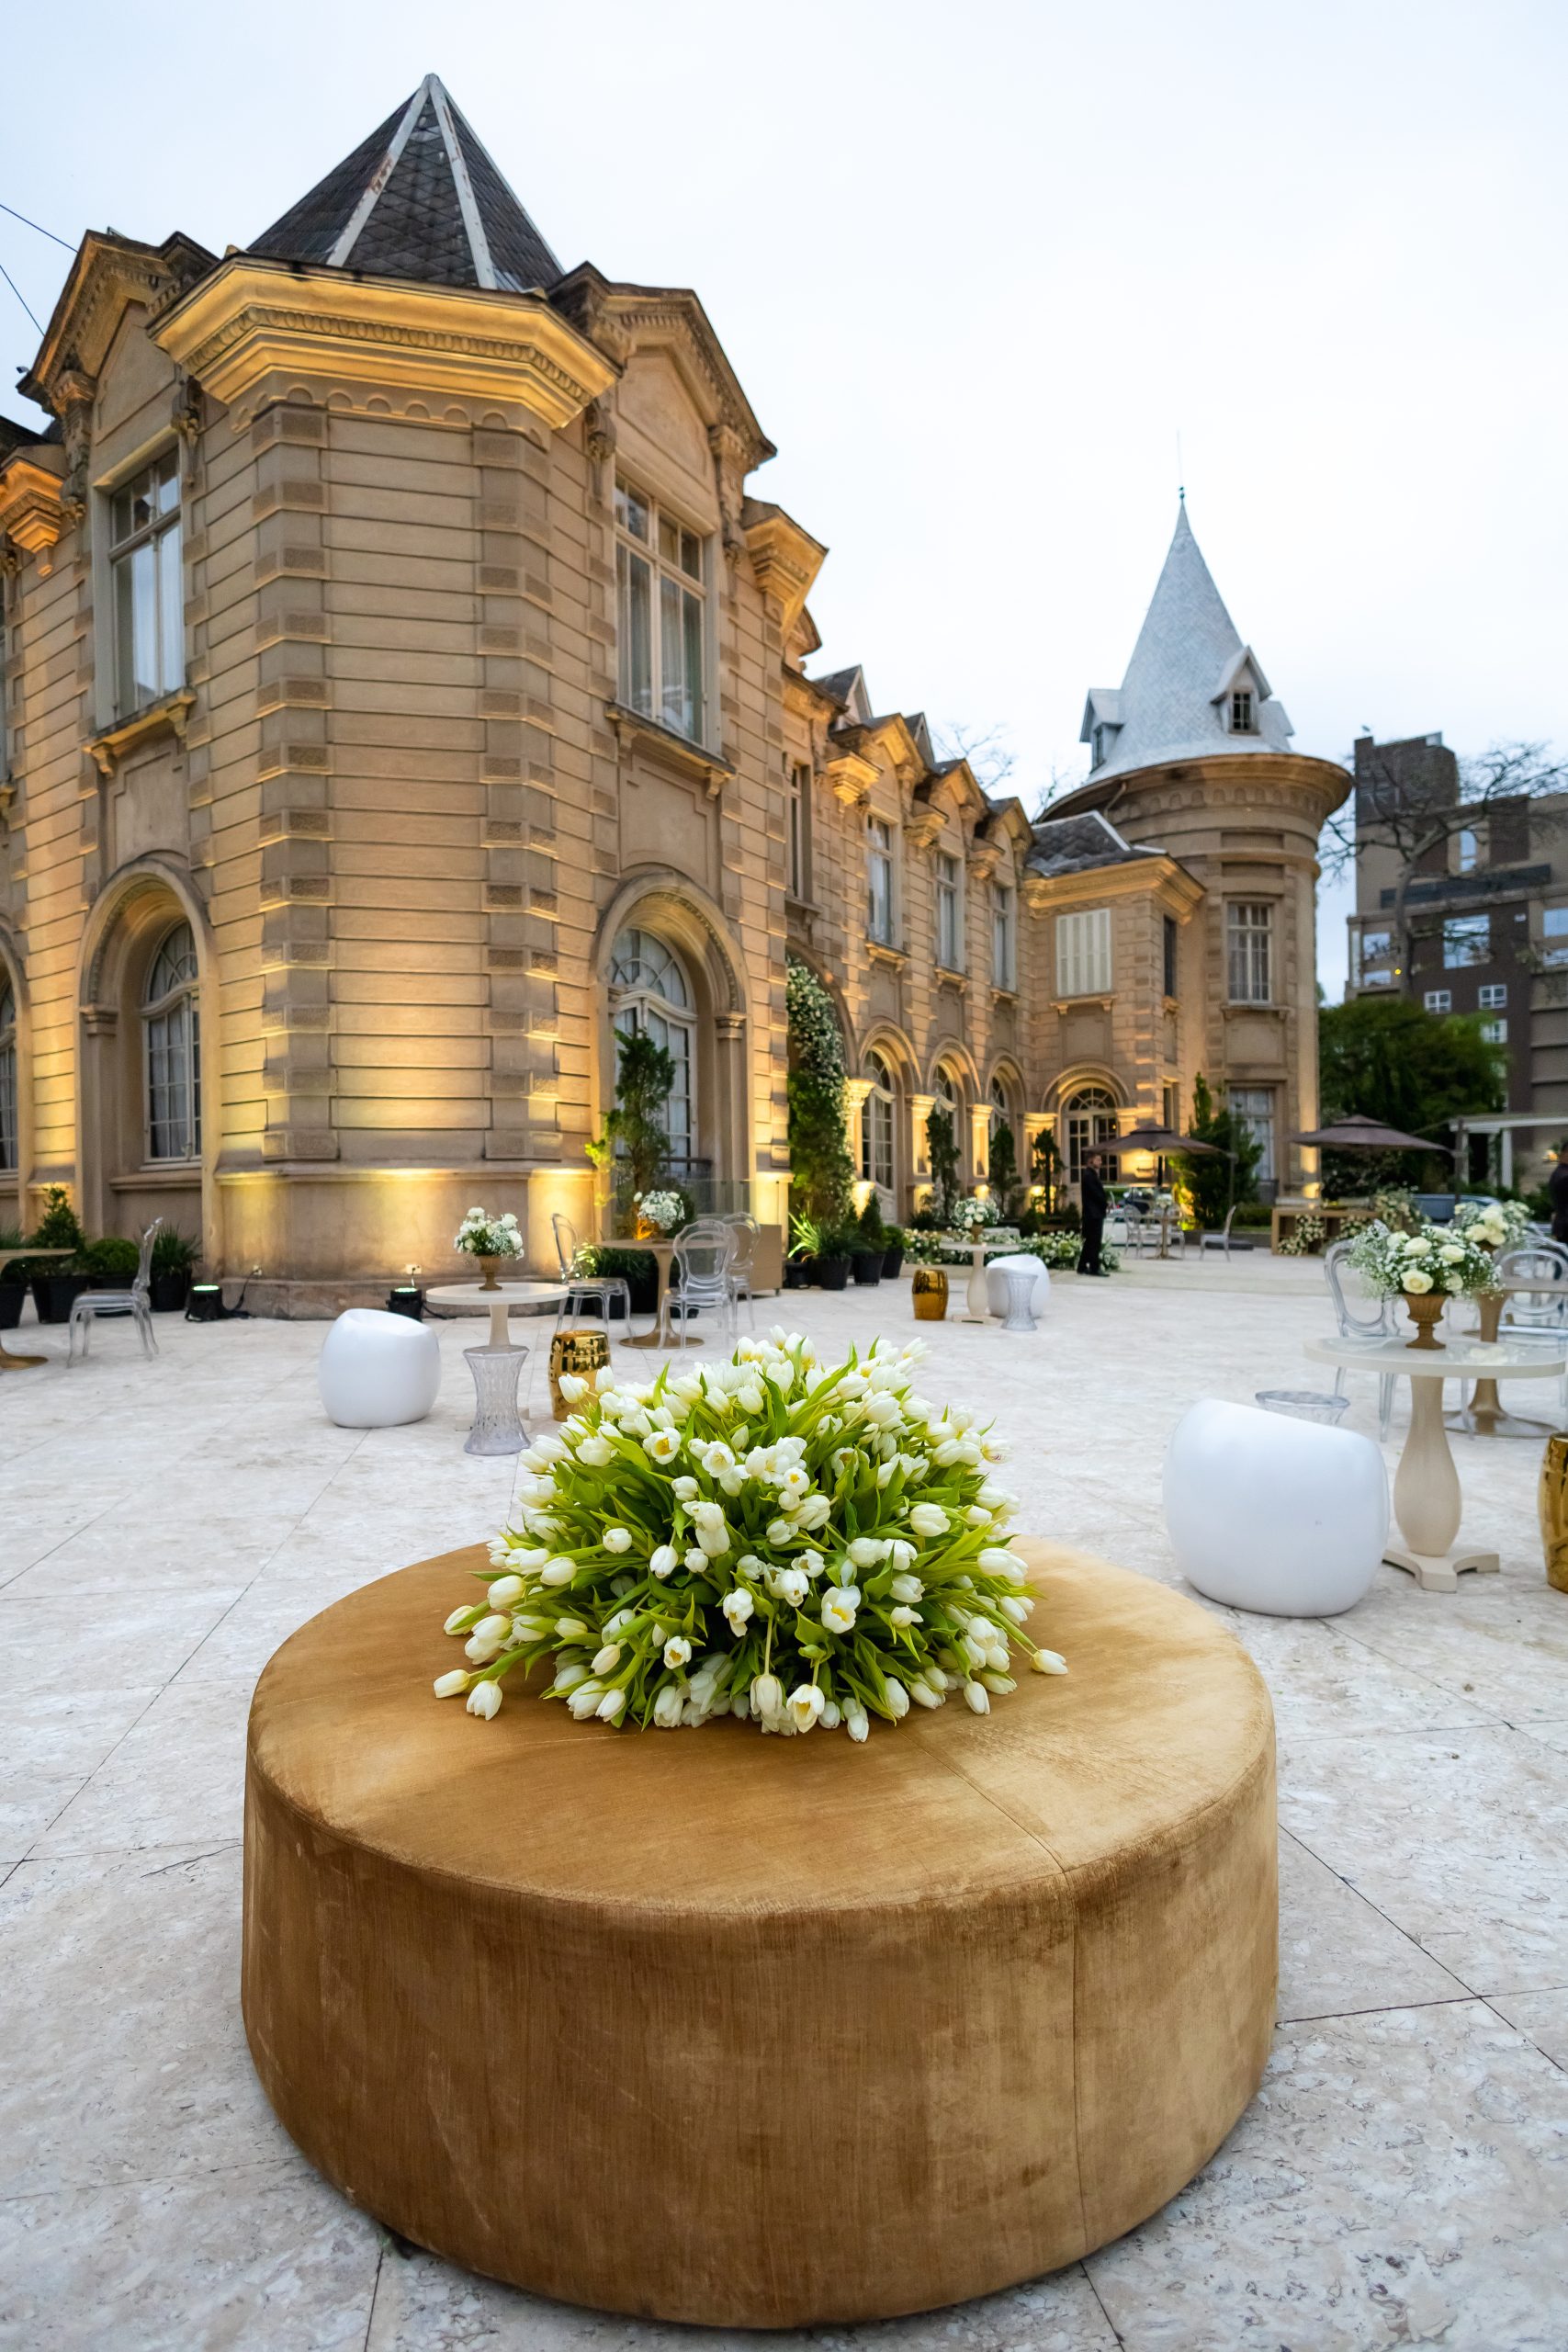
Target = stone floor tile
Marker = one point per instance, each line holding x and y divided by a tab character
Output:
1339	1954
1323	1680
126	1639
1460	1838
1402	2179
56	1736
176	1778
1544	2016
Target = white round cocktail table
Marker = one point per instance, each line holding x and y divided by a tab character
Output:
505	1296
1427	1498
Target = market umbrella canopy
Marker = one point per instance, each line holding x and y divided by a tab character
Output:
1358	1133
1167	1140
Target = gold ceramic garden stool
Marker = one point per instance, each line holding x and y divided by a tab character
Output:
928	1288
1552	1497
583	1352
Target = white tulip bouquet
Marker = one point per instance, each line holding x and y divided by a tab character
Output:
796	1546
1499	1225
1434	1258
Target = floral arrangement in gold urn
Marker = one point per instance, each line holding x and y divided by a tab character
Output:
1426	1268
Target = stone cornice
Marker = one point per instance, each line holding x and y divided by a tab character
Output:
32	490
1232	779
1161	877
108	274
255	331
850	777
785	558
622	319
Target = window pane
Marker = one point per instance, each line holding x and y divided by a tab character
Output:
631	511
1251	927
7	1106
680	655
669	539
635	626
691	555
168	487
691	627
1467	938
142	680
171	612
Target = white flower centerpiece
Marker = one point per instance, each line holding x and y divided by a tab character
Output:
973	1215
1496	1225
659	1212
797	1546
1426	1268
490	1239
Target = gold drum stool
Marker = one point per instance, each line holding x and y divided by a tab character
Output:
1552	1497
928	1288
583	1352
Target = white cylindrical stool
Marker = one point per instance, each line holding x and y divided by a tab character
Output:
378	1371
997	1281
1275	1515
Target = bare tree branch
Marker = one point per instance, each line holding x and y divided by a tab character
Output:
990	756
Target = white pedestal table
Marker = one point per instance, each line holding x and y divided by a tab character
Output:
1427	1502
490	1432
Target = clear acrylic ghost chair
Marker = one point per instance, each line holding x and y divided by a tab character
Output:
700	1276
135	1302
1359	1318
1536	1317
748	1233
581	1288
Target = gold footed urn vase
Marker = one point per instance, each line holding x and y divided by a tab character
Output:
1553	1499
487	1267
928	1288
583	1352
1426	1312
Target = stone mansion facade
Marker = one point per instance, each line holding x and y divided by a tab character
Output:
404	688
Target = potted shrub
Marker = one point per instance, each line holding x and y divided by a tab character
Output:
13	1279
892	1252
175	1256
110	1263
869	1247
56	1284
804	1246
638	1269
835	1256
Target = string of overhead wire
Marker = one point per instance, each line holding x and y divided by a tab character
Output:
5	274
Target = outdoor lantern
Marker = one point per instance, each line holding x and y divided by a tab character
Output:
204	1303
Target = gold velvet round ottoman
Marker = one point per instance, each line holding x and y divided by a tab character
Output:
704	2026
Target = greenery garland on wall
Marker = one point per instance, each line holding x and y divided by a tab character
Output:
822	1173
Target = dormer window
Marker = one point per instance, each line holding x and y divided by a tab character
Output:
1242	720
1099	747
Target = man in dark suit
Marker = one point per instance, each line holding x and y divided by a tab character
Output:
1093	1203
1557	1194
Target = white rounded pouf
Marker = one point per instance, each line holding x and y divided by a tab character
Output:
996	1282
377	1369
1280	1516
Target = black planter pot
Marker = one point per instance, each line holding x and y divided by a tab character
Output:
893	1264
168	1293
867	1270
11	1298
55	1294
832	1273
796	1273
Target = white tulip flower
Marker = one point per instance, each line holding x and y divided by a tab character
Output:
458	1622
572	1388
448	1686
1048	1662
978	1697
997	1563
667	1707
999	1683
570	1629
664	1561
767	1696
924	1696
611	1707
583	1702
608	1658
792	1585
832	1715
897	1697
1018	1606
568	1677
867	1551
484	1700
504	1590
661	1445
857	1722
805	1705
838	1610
902	1616
557	1572
928	1519
779	1530
617	1539
677	1650
740	1608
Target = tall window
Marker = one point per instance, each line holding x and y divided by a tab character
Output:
1004	961
879	880
650	994
1438	999
659	582
1089	1117
876	1126
1467	938
1251	936
949	912
171	1028
8	1145
1241	712
799	830
1554	934
149	596
1170	1101
1001	1110
1167	942
1083	953
1468	850
1254	1106
1494	1032
1493	997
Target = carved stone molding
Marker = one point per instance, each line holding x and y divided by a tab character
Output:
599	435
784	559
850	775
671	750
170	716
31	498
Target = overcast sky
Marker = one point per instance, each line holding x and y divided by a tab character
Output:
976	268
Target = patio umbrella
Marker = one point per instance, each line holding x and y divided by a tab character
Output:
1166	1140
1358	1133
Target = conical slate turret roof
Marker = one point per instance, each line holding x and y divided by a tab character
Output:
1175	701
419	199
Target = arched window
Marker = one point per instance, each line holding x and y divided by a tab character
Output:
1089	1119
876	1126
1002	1110
171	1025
8	1140
649	993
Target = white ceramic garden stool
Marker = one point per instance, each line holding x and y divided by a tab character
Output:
1280	1516
997	1281
378	1371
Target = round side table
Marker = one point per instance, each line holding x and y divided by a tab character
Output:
754	2032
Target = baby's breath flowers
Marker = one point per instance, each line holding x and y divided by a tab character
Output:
803	1547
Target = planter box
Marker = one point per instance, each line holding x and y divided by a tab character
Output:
892	1265
832	1273
55	1294
168	1293
867	1272
11	1298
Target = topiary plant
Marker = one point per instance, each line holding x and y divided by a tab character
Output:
59	1227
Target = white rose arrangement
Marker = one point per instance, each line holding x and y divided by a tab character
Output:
1496	1225
1435	1257
663	1211
800	1547
972	1213
483	1236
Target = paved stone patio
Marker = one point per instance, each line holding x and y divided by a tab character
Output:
1400	2180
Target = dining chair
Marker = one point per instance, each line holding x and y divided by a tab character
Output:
602	1288
742	1268
1536	1317
1221	1240
700	1282
136	1302
1360	1316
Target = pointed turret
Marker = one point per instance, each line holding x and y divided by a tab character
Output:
1192	687
419	199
